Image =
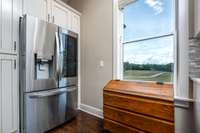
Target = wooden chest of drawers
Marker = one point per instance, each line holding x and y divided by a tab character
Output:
138	107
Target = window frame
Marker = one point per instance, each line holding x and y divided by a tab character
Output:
118	50
148	39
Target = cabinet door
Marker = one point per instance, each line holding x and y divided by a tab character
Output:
9	94
75	23
197	18
38	8
10	12
61	15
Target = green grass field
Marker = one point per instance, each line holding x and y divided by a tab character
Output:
145	75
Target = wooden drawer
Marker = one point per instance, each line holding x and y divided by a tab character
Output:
116	127
138	121
155	108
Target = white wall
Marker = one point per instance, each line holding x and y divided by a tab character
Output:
96	45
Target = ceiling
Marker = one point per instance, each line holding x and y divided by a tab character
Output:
66	1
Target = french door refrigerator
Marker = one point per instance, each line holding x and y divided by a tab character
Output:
48	75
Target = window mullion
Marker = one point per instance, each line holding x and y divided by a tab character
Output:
149	38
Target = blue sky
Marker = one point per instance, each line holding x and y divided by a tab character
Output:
147	18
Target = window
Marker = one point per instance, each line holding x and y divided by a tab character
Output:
148	41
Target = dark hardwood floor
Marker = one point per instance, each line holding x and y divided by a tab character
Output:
83	123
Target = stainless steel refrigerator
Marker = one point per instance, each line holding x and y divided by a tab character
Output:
48	75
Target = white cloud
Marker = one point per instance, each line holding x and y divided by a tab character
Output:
157	5
159	51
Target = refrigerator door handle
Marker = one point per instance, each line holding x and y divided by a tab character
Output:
57	55
52	93
71	89
47	94
61	55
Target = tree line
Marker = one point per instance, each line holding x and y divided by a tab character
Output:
156	67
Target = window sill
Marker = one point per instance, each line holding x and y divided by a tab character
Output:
196	80
147	82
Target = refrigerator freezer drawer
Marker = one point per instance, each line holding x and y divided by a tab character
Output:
48	109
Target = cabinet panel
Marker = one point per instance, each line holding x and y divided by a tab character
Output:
10	12
61	16
158	109
75	23
7	25
17	11
116	127
38	8
138	121
9	94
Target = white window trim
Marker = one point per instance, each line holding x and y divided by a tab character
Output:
181	70
123	3
117	49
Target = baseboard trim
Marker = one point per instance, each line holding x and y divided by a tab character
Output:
91	110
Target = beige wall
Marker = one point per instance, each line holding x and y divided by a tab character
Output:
76	4
96	45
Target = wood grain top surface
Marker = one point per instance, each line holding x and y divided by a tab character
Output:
141	89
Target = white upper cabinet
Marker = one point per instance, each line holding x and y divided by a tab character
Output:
65	16
38	8
10	12
9	105
61	16
75	23
54	11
